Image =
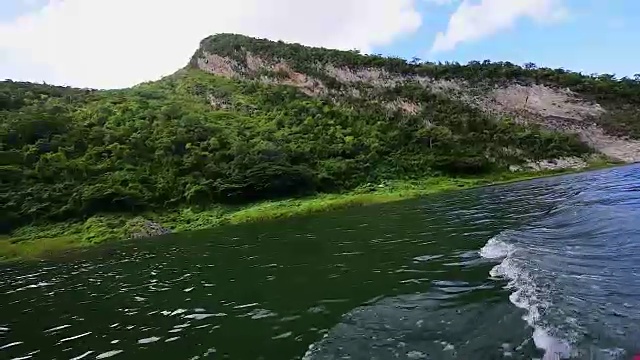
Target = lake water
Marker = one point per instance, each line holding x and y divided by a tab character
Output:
491	273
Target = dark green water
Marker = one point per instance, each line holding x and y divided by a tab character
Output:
403	280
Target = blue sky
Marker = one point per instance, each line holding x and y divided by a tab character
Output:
599	36
11	9
109	43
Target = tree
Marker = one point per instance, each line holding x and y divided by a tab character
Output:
70	153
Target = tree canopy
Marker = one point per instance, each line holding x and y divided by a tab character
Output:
195	139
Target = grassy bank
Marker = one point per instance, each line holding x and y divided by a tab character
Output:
42	240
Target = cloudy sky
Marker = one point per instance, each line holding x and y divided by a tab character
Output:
118	43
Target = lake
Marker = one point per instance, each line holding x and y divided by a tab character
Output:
501	272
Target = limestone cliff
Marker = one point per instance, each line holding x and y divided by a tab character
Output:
511	91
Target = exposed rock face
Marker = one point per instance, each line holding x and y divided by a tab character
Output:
562	110
554	108
545	101
557	164
140	228
218	65
622	149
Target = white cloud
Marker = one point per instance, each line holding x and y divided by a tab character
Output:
30	2
475	21
440	2
117	43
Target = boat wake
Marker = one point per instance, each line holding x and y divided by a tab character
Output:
574	271
526	294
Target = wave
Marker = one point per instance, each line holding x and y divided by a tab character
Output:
526	294
423	326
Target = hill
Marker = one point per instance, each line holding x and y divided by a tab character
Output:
602	110
250	119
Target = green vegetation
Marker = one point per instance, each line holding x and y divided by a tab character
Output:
41	240
193	150
620	96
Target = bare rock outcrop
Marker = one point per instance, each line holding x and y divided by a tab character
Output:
553	108
139	228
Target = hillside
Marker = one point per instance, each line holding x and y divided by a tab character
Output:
602	110
250	119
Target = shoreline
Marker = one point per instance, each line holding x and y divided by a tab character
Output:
36	242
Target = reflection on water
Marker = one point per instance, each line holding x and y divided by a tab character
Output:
485	274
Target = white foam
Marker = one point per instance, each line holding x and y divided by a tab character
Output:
525	296
553	348
313	348
496	249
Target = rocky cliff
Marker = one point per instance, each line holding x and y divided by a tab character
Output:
556	99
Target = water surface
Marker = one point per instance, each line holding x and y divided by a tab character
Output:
501	272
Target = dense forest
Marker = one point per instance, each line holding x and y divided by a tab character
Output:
69	153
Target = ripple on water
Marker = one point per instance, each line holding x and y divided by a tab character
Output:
425	258
411	326
407	277
15	343
572	271
74	337
256	314
149	340
83	355
109	354
202	316
57	328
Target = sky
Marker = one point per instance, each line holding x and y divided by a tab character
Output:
119	43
